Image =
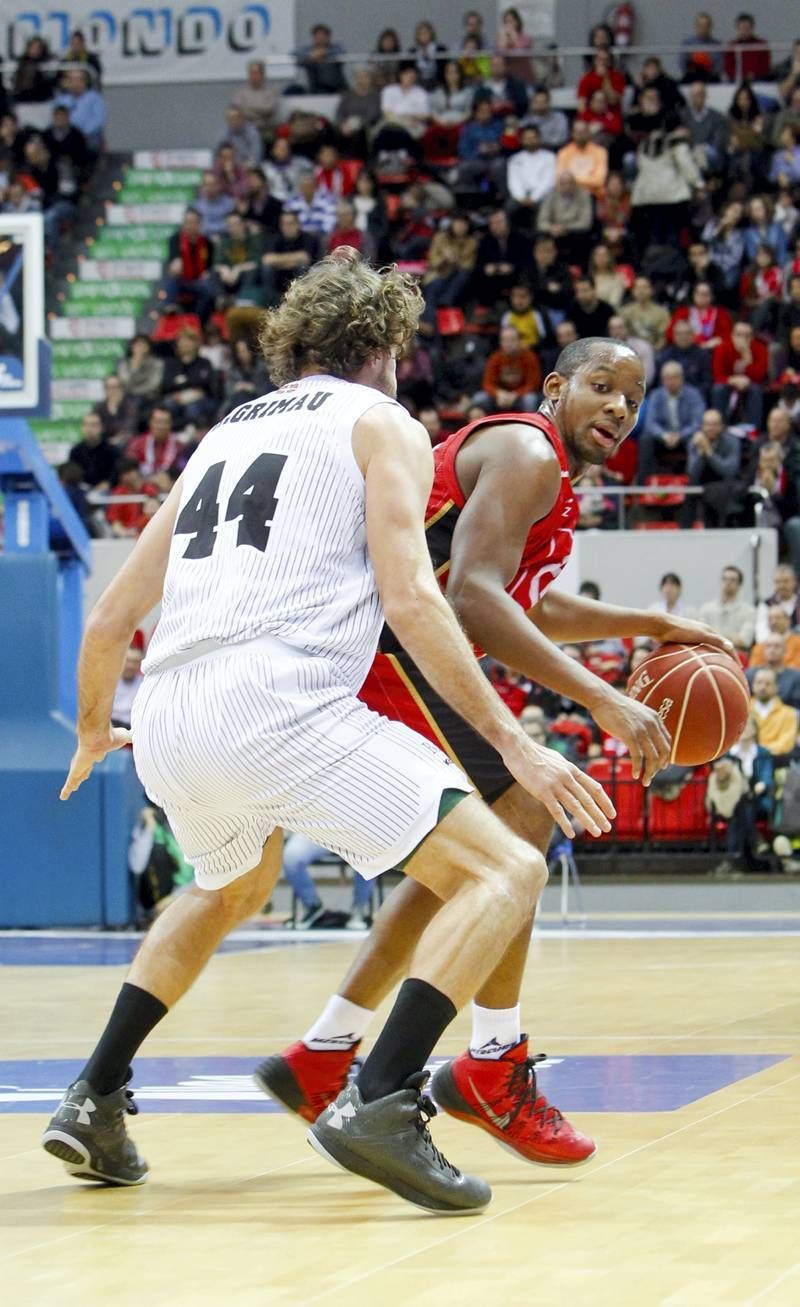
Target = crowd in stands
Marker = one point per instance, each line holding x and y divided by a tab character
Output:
45	168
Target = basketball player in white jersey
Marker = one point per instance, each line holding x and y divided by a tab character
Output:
296	529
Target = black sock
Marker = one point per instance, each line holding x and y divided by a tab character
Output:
135	1014
415	1024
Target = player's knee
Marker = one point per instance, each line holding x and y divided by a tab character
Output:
526	876
241	898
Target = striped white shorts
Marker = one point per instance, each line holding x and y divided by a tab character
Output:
244	739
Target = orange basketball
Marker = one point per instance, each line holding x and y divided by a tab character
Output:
700	694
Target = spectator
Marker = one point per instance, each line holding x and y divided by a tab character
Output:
584	159
603	76
712	462
702	53
140	372
512	378
785	596
761	289
345	231
86	108
288	254
127	688
711	325
758	768
213	205
474	65
189	264
451	260
283	169
190	388
129	518
643	317
118	412
549	277
700	268
531	172
232	176
596	508
257	100
77	52
503	255
70	476
590	314
614	212
506	94
451	103
773	657
238	255
314	208
428	55
647	117
321	59
653	77
566	215
731	615
32	83
618	330
785	167
333	177
370	208
747	143
762	229
695	361
552	123
405	111
788	116
778	623
94	455
739	368
789	313
670	590
357	113
512	37
480	148
747	65
415	377
532	325
67	146
157	449
674	414
604	121
706	131
246	378
386	68
776	721
300	853
609	282
258	206
566	334
430	419
665	180
787	72
728	799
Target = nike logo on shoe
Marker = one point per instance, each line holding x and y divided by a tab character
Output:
502	1122
491	1049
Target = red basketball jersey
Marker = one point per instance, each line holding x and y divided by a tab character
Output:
549	541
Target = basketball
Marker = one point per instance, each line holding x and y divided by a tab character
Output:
701	695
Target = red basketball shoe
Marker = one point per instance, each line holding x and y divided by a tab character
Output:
501	1097
305	1080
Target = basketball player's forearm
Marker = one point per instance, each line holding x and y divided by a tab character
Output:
429	631
99	669
493	620
570	618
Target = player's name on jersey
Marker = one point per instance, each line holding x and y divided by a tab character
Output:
120	269
265	408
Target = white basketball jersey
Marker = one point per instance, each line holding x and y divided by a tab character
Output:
270	537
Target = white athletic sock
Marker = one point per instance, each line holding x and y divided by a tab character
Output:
494	1030
342	1023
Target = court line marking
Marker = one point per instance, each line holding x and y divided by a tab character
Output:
774	1284
547	1193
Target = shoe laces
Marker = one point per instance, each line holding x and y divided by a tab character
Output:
522	1086
426	1111
131	1107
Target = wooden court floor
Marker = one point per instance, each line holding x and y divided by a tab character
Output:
680	1055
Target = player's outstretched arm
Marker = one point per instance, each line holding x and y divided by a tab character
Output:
572	618
394	454
135	590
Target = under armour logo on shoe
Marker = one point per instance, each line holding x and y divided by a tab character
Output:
338	1115
502	1122
83	1110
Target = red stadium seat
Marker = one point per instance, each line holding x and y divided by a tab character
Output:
656	526
450	322
662	499
683	818
627	796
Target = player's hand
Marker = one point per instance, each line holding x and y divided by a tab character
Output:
683	630
640	729
88	753
561	786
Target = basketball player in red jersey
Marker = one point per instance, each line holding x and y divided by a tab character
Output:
500	525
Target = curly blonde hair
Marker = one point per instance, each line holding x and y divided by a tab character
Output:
338	315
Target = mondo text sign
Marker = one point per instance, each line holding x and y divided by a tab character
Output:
178	42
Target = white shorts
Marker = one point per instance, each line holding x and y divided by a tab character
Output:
241	740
